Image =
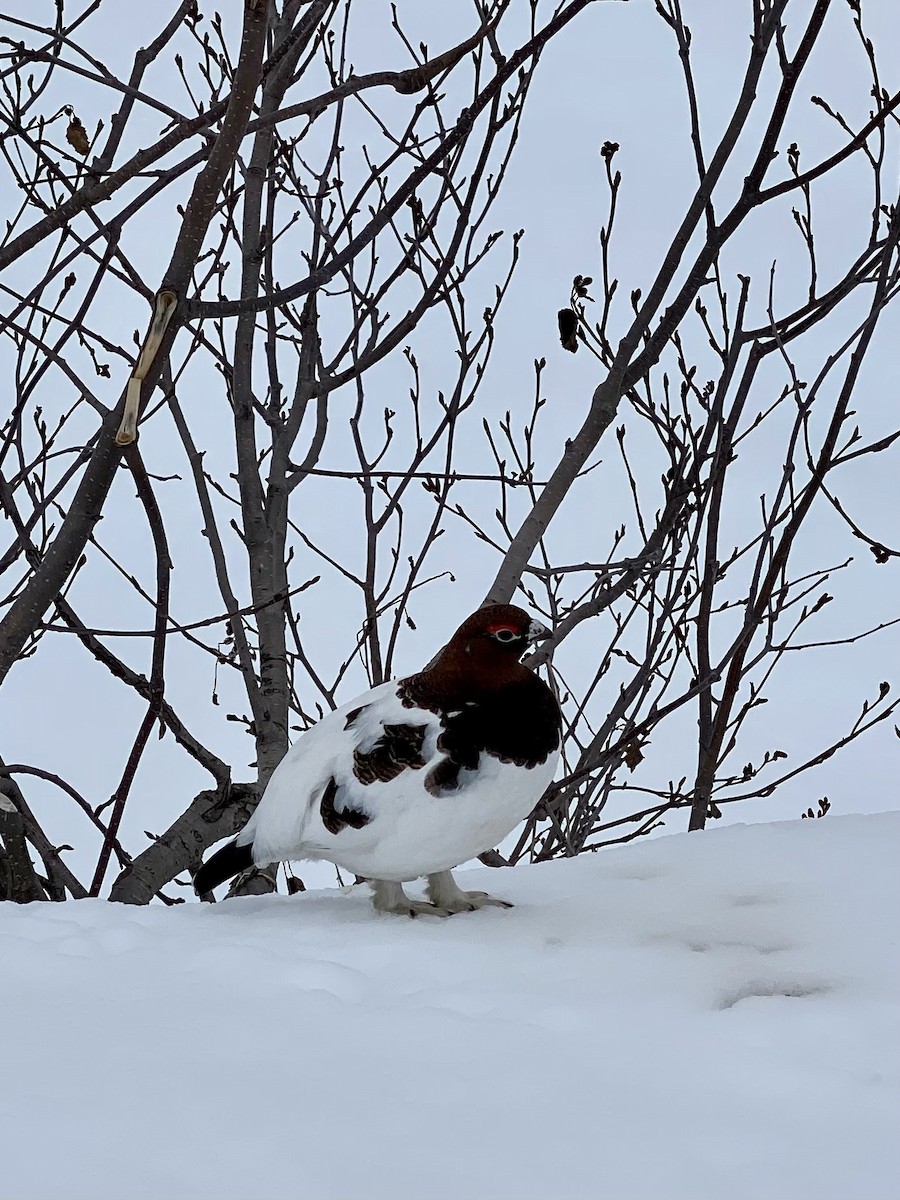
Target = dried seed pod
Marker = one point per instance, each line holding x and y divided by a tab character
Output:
76	136
568	328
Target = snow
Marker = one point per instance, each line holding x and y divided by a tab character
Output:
712	1015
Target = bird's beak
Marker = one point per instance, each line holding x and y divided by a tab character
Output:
537	632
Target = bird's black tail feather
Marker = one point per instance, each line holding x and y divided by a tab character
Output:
230	860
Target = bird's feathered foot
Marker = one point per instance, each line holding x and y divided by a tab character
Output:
446	895
390	898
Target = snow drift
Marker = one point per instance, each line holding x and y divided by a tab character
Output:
695	1016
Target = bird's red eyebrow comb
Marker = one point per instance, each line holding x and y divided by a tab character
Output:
503	627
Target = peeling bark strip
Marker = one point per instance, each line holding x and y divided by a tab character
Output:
162	314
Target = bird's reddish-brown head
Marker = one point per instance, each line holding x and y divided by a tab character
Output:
483	655
479	673
498	629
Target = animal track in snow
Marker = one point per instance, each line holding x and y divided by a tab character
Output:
701	946
639	873
785	989
750	900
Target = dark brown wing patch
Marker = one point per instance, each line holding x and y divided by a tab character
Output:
519	724
398	749
352	716
443	777
335	819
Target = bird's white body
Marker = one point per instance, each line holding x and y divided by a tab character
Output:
416	776
410	832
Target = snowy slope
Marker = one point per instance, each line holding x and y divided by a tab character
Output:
711	1015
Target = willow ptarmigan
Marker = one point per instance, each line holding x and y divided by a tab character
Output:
417	775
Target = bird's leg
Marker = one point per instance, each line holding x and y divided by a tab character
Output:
445	894
390	897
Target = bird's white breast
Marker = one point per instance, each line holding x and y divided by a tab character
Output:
416	833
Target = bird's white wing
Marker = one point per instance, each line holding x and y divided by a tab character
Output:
316	787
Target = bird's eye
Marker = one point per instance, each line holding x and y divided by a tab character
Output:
506	635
